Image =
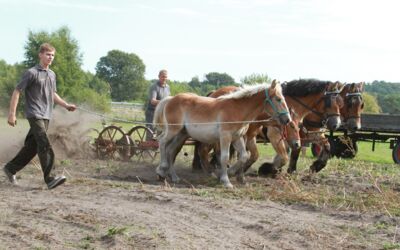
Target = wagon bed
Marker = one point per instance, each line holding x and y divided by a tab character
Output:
383	123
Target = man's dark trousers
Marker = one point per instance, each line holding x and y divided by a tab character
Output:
36	142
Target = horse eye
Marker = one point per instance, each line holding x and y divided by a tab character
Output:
362	105
278	99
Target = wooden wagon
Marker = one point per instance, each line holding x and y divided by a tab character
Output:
382	128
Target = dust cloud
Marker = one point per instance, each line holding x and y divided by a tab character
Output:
69	134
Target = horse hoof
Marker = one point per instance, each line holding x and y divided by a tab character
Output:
228	185
160	178
231	172
175	180
161	172
267	169
240	179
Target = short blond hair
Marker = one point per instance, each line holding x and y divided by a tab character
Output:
163	72
46	47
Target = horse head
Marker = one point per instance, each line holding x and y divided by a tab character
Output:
333	102
277	103
353	105
293	131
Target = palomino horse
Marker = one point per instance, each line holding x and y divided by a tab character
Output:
351	116
307	97
289	132
211	120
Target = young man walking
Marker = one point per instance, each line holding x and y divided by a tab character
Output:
39	86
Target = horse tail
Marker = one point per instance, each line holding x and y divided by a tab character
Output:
158	119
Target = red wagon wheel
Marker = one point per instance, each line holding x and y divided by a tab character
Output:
113	143
396	153
143	149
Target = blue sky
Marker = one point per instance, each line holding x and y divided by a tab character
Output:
345	40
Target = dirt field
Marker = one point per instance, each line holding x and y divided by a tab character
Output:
121	205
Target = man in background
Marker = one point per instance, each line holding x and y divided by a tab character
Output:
157	92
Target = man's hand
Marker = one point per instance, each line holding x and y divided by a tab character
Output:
12	120
70	107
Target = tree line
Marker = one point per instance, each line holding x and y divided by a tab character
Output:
120	76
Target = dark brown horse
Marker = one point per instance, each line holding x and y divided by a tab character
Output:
309	98
351	117
222	120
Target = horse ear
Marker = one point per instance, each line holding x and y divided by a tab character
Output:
353	87
361	86
340	86
273	84
335	86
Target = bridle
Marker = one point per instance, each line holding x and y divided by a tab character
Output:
327	97
348	98
268	100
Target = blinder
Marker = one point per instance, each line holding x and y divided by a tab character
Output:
352	97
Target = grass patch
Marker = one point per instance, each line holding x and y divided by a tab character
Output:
113	231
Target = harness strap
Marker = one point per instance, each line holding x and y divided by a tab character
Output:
307	107
313	124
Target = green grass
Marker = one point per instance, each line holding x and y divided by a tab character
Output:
382	153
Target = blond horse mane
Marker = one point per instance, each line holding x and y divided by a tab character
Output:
246	91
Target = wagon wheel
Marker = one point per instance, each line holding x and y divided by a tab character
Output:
113	143
141	148
396	153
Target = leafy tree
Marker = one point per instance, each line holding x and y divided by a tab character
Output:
125	74
9	77
195	83
370	104
387	94
67	61
219	79
382	87
256	79
390	103
179	87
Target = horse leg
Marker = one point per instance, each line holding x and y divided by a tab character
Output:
203	152
165	140
173	149
196	163
225	142
251	146
279	145
294	157
243	157
323	157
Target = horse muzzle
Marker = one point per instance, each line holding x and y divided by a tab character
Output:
353	124
284	118
333	123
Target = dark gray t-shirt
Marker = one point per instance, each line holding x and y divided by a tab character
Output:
157	92
39	86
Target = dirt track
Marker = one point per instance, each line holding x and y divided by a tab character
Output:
104	205
117	205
